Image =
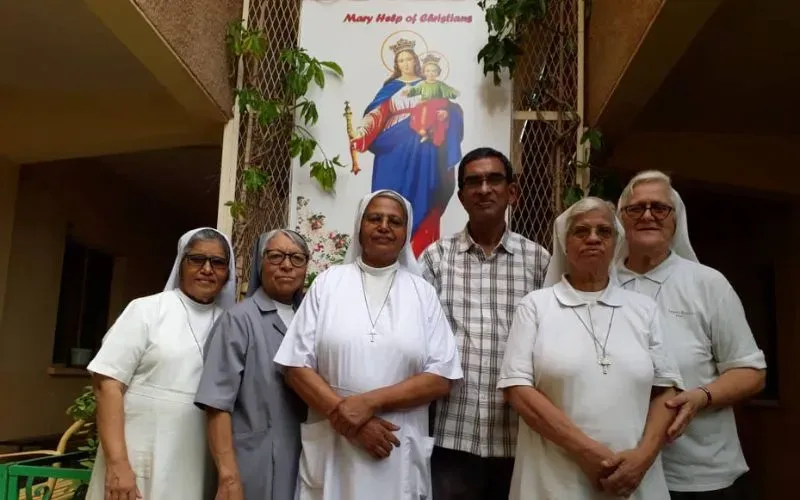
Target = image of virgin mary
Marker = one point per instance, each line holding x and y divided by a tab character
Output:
421	171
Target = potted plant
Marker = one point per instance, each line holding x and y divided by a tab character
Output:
84	408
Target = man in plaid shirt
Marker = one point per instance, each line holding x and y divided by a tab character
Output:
480	273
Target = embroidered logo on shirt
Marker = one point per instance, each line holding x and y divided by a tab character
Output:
681	313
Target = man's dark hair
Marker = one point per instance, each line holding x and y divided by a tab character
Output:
482	154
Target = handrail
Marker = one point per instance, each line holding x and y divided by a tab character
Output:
51	467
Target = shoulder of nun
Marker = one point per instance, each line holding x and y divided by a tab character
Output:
330	276
537	296
241	308
636	301
149	304
421	283
702	272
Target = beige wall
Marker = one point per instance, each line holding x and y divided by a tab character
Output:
614	33
195	30
105	213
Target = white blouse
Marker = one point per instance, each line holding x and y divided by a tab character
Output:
551	347
708	334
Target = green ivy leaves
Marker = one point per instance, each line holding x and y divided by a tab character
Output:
507	21
303	72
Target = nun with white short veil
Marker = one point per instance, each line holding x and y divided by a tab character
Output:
152	437
709	338
586	370
368	350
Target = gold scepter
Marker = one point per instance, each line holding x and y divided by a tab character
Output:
348	117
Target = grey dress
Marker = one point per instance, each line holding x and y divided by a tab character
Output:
240	377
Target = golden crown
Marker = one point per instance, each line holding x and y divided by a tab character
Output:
431	59
402	44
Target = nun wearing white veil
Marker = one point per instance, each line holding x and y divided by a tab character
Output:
152	437
708	335
586	371
368	350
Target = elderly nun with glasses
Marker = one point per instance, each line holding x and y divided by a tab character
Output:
253	416
587	372
369	349
708	335
152	439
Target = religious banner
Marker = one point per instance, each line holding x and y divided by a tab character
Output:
412	102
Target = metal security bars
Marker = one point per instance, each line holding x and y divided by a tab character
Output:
547	123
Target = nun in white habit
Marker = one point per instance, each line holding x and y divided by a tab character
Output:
586	371
368	350
708	335
152	437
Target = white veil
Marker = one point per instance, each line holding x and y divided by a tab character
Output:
406	258
680	240
558	260
227	296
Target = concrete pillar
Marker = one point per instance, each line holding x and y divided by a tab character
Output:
9	181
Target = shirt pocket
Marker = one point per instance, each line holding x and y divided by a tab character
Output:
318	440
417	451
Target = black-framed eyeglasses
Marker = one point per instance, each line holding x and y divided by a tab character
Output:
583	232
659	211
493	180
199	260
276	258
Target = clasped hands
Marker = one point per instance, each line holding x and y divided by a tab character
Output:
617	474
354	418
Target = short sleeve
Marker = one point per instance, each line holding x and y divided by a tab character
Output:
124	344
442	356
732	340
298	348
517	366
223	364
429	262
665	369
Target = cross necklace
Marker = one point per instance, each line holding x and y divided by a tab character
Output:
191	329
602	356
372	333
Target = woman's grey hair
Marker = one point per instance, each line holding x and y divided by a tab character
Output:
642	178
208	235
296	238
588	204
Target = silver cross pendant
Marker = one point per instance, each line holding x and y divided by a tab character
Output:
604	362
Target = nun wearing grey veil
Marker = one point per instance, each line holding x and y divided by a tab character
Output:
253	417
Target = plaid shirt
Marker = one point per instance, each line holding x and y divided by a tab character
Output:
479	294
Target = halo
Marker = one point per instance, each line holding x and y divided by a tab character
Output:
387	55
443	63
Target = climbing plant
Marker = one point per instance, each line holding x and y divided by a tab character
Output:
295	107
509	22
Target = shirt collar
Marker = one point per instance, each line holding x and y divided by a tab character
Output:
659	274
465	241
266	304
569	297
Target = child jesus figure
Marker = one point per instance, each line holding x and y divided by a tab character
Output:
436	96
